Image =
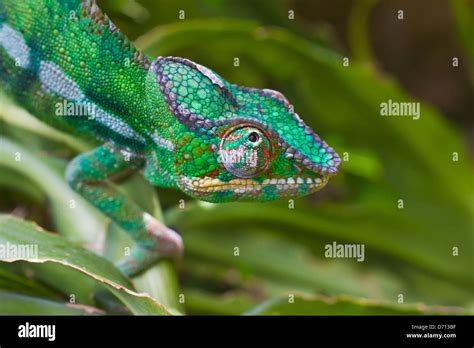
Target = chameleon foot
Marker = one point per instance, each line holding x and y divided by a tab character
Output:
168	244
138	260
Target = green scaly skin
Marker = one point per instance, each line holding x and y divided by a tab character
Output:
182	123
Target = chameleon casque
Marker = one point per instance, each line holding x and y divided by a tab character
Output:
180	122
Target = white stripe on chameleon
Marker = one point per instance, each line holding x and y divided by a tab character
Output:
115	124
55	81
162	142
14	43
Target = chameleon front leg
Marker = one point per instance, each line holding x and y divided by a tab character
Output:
89	175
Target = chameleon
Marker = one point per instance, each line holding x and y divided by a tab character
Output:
178	122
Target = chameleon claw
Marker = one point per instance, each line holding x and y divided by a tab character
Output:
168	242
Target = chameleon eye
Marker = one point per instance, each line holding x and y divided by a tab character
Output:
253	137
245	151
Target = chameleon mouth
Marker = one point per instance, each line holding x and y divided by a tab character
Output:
251	187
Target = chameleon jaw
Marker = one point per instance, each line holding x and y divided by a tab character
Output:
293	186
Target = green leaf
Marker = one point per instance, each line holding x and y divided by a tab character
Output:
65	280
358	30
74	217
13	181
14	304
298	304
200	302
55	249
22	285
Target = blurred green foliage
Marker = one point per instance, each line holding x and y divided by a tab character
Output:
409	251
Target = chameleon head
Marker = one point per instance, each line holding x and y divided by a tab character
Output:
238	143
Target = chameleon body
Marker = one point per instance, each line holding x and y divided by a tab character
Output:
180	122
